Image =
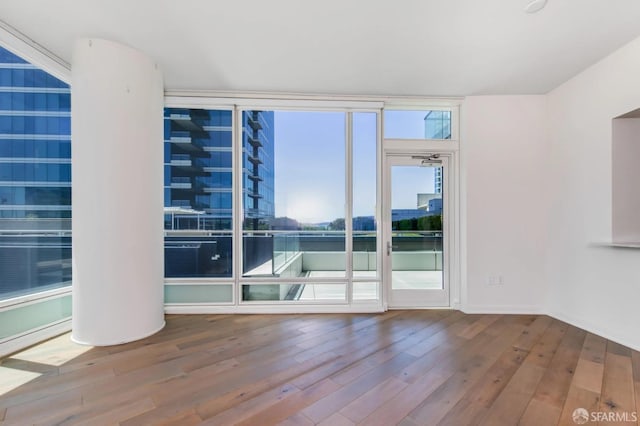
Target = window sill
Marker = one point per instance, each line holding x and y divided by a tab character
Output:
35	297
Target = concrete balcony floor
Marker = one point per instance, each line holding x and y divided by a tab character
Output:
402	280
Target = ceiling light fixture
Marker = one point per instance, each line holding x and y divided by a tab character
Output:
534	6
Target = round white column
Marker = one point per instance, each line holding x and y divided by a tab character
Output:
117	100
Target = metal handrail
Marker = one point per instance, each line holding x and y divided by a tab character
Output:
292	232
35	232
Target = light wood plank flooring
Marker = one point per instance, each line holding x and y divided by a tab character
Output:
401	367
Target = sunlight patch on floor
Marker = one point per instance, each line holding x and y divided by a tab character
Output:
13	379
55	352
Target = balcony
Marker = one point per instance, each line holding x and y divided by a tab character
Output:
254	159
262	121
186	164
251	213
293	257
181	183
180	136
185	142
253	122
185	121
181	160
255	142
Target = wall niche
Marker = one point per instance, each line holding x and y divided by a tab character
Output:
626	179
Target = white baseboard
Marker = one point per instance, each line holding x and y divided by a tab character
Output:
31	337
503	309
127	339
604	332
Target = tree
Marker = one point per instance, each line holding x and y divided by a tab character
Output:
431	223
337	225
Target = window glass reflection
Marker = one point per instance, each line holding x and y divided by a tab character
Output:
35	179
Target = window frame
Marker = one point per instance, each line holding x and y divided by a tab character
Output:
210	104
238	106
451	106
240	102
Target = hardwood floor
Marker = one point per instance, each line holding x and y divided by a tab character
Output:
401	367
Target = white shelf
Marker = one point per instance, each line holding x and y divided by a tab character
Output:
629	245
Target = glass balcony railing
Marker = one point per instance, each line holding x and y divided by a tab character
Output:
285	247
198	254
180	183
407	241
181	160
33	261
297	255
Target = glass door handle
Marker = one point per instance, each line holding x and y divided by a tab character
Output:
390	247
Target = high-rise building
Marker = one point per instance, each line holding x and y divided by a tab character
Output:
437	180
35	144
35	178
437	125
198	167
258	167
199	188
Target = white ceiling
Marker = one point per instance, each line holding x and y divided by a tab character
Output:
366	47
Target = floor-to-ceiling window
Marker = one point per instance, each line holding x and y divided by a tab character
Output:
35	197
267	206
364	157
198	213
299	248
272	204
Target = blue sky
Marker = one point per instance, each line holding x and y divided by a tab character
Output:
310	164
404	124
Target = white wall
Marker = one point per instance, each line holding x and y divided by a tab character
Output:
595	288
505	152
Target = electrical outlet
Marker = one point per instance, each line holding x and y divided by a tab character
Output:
495	280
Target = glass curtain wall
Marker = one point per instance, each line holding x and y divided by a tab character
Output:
289	174
35	179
